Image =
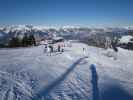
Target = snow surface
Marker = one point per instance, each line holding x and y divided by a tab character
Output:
126	39
30	74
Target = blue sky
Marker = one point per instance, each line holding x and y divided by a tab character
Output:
67	12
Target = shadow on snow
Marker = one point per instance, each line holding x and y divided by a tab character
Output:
111	90
115	92
50	87
94	81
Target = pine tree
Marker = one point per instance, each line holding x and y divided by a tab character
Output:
14	42
25	41
31	40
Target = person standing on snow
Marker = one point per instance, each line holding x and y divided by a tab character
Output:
84	51
51	49
59	48
107	43
62	50
114	47
45	48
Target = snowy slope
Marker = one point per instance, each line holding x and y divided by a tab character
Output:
30	74
126	39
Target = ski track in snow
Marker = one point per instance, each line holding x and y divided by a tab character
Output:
30	74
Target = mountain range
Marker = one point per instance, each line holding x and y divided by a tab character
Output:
68	32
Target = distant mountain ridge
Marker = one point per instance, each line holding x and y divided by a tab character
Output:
68	32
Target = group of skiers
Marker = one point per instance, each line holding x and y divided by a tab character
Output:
50	48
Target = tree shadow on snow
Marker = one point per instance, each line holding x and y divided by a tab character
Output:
45	92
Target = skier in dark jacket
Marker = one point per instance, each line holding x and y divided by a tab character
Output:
114	47
51	49
59	48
